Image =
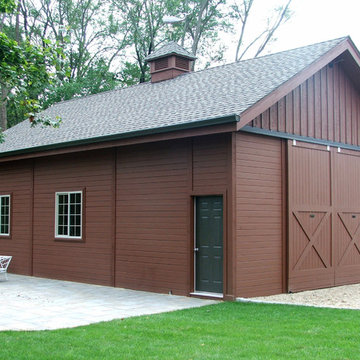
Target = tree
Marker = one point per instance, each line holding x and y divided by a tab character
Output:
97	79
84	34
202	23
8	59
144	26
241	11
7	6
83	28
147	31
55	50
91	38
25	68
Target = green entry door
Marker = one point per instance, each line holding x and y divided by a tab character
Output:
209	244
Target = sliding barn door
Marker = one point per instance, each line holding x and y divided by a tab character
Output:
324	216
310	218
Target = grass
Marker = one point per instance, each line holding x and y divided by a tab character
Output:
223	331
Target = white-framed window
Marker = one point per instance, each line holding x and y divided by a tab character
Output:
68	214
4	214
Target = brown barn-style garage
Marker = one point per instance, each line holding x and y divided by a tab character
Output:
235	181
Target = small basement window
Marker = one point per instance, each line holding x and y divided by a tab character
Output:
68	217
4	214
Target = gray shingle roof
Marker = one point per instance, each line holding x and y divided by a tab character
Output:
169	49
193	97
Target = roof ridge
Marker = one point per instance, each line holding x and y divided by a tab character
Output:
302	47
272	54
200	71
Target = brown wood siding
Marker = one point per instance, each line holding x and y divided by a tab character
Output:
152	217
211	175
346	216
88	261
310	219
326	106
155	183
210	163
259	215
137	209
16	180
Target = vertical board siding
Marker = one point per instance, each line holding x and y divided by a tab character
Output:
326	106
90	260
16	180
152	224
259	215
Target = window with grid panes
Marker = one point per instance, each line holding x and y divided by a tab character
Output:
68	214
4	214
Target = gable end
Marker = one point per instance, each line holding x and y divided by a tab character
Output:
345	52
326	106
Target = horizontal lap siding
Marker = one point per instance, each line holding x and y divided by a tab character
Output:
210	162
212	176
16	179
259	216
140	195
152	217
89	261
326	107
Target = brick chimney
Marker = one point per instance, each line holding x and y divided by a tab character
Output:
170	61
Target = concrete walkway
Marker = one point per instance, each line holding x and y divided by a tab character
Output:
31	303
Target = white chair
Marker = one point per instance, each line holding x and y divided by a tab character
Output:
4	264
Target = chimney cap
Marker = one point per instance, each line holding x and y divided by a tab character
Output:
170	48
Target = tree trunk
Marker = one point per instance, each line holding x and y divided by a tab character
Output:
3	113
17	24
198	30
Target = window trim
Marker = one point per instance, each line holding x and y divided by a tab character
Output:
68	237
7	235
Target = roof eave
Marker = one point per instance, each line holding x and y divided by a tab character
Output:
232	118
192	58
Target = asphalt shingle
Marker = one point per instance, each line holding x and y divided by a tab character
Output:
192	97
169	49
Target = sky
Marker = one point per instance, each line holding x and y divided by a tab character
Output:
312	21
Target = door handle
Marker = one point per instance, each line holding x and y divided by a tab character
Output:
196	249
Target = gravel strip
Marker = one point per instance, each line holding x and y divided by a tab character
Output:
341	297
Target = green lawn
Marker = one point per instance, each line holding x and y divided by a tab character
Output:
223	331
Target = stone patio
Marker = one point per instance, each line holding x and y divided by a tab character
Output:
31	303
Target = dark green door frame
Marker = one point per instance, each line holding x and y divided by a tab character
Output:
208	249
